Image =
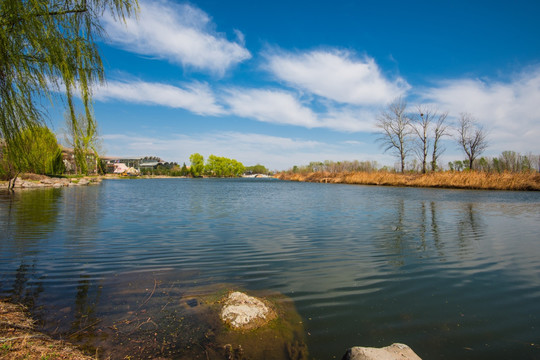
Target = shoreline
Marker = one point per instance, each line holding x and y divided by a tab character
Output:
34	181
465	180
440	180
20	340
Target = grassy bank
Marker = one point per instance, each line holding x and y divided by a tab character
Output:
446	179
19	340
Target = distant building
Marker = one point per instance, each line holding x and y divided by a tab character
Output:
68	157
147	162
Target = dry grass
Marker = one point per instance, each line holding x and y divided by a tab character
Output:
19	340
447	179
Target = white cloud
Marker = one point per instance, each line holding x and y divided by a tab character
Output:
195	97
179	33
272	106
336	75
349	119
508	110
282	107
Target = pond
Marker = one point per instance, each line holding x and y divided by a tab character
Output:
453	274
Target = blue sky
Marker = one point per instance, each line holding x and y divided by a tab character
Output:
283	83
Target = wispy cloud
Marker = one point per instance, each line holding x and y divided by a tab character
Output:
336	75
196	97
508	110
179	33
284	107
274	106
349	119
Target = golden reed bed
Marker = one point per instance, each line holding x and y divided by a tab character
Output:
446	179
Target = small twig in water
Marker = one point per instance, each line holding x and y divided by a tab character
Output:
84	328
148	298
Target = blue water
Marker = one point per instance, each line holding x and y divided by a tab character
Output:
453	274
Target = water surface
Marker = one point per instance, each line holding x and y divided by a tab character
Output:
453	274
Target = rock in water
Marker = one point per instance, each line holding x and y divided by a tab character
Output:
393	352
243	312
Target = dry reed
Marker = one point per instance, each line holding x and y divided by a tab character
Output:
447	179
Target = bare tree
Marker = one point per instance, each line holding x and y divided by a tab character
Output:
395	129
420	125
471	137
441	129
426	119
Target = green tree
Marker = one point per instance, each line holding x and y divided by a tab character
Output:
483	164
197	164
257	169
41	153
48	47
236	168
458	165
223	167
184	171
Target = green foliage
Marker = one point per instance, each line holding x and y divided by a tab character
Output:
165	169
509	161
336	166
82	136
47	47
197	164
184	171
257	169
102	166
36	151
223	167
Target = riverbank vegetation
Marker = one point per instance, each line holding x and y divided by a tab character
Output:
510	171
443	179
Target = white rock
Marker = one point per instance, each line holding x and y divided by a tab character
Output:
244	312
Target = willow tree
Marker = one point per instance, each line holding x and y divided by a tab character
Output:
82	136
48	47
197	164
43	155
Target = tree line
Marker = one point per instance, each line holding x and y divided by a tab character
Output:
215	166
336	166
421	131
508	161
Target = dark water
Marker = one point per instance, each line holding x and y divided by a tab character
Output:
453	274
